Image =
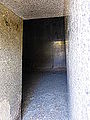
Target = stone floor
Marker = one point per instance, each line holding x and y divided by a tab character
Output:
45	96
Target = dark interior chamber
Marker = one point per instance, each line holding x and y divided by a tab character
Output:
39	49
43	55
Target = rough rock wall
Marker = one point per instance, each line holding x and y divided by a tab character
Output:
11	27
32	9
78	59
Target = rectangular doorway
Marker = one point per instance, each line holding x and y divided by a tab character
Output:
44	70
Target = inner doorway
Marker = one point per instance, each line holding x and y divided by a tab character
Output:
44	70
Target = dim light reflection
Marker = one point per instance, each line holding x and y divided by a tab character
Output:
59	43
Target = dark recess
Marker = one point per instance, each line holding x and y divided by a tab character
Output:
37	33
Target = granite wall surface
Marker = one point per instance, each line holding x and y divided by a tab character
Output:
11	29
78	59
33	9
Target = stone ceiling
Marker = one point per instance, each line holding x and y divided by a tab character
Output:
31	9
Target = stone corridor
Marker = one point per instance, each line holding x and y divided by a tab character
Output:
45	96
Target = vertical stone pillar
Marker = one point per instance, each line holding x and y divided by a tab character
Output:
79	59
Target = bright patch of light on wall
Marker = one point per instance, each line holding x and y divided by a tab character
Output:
58	43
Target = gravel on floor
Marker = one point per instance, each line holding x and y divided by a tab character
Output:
45	97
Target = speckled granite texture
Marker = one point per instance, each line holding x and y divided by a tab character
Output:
45	96
10	63
79	59
29	9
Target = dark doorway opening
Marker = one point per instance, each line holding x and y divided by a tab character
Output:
44	63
